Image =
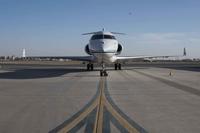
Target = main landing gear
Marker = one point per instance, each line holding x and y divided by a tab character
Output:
90	67
118	66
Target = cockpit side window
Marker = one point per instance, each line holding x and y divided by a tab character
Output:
95	37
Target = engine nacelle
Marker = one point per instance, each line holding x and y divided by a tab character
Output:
119	49
87	50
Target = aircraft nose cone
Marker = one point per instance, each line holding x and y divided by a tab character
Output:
106	47
101	46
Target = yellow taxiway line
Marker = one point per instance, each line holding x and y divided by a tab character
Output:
73	123
99	117
100	103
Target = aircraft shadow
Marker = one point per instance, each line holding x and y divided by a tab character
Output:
186	67
194	69
34	73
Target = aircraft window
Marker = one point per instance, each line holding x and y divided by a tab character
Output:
102	37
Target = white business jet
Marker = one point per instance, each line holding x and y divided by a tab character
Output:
103	48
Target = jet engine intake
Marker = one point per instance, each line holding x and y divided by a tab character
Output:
119	49
87	50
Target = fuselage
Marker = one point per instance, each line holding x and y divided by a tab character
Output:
104	47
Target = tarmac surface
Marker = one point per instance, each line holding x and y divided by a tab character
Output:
140	99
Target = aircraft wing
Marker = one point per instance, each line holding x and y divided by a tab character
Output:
129	58
126	58
76	58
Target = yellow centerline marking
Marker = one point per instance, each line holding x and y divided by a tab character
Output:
120	119
99	117
72	124
100	102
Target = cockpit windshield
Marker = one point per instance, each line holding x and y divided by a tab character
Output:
95	37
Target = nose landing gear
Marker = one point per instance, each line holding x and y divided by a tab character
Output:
103	72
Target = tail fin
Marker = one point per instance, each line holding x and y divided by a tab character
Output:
184	52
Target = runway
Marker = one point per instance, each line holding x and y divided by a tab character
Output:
140	99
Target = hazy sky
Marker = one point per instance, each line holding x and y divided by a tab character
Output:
54	27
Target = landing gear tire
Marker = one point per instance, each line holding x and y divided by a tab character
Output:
115	66
101	73
118	66
90	67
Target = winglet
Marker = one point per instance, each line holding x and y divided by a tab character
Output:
90	33
24	53
184	52
118	33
